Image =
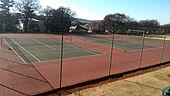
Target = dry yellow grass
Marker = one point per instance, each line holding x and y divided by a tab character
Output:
167	38
148	84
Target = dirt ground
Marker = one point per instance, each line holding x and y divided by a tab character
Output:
149	84
167	37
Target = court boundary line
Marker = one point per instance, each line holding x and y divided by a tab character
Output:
74	46
84	49
128	37
121	47
152	41
48	50
97	54
128	49
117	46
146	49
44	44
69	58
37	69
25	49
15	51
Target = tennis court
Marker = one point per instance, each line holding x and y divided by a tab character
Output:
86	58
122	44
148	39
41	48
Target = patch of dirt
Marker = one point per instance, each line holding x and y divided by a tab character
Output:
168	75
167	38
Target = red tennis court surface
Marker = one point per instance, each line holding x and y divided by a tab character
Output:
18	79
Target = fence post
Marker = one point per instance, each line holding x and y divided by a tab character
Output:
162	53
111	52
1	41
61	65
71	38
142	46
62	46
85	37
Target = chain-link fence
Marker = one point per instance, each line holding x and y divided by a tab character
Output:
36	63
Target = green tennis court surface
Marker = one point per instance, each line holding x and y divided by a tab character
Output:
117	43
147	39
38	49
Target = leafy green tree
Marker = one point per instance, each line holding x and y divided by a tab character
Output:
166	28
117	20
98	27
149	23
59	20
152	26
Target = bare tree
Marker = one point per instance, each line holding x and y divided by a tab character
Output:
46	14
28	9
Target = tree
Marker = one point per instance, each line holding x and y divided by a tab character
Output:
98	26
59	20
150	25
166	28
5	6
113	21
133	24
65	18
28	9
46	15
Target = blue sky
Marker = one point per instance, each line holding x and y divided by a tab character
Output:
97	9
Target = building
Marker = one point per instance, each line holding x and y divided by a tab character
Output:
33	25
78	29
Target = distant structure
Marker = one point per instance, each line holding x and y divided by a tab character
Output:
90	30
37	25
78	29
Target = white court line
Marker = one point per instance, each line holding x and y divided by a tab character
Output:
72	58
131	49
15	51
121	47
76	47
114	45
25	50
44	44
146	49
82	49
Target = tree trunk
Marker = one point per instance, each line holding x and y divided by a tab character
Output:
26	25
